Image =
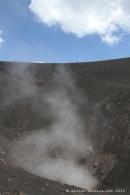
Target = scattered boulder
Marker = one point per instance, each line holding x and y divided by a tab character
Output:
2	152
40	81
95	164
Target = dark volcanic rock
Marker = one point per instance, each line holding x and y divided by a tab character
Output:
105	112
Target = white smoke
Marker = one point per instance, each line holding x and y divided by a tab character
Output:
55	152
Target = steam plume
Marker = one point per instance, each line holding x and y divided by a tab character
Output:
59	152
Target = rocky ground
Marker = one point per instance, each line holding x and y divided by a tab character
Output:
103	101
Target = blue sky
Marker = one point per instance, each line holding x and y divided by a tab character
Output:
64	30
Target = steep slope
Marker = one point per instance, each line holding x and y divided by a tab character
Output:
83	110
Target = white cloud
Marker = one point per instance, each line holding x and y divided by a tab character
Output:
86	17
38	62
1	40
